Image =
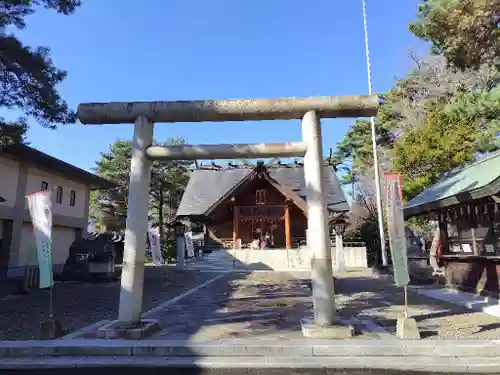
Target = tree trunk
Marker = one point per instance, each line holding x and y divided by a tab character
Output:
160	216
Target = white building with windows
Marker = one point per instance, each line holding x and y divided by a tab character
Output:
23	171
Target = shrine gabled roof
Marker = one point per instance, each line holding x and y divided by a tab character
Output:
207	187
464	184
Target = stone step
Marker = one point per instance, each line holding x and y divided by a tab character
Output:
283	365
252	348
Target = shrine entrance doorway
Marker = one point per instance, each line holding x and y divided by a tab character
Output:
272	231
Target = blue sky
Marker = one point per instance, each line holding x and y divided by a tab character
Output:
122	50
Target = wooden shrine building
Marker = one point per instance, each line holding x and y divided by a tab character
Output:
240	204
466	205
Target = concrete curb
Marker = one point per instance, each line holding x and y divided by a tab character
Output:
85	330
485	365
471	349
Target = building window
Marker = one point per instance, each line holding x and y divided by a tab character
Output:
45	185
59	194
260	196
72	198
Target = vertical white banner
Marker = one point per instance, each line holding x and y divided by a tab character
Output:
90	226
40	207
155	245
189	244
397	235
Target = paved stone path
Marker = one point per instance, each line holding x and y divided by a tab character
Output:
239	305
218	260
244	305
269	305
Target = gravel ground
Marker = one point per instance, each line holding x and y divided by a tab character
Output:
379	300
77	305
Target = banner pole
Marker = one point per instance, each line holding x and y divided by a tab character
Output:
51	303
406	300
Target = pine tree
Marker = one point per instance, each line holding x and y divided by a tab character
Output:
168	181
28	77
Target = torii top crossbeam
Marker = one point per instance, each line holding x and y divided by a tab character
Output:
228	110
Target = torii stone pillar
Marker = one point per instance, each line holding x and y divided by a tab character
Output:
132	279
325	324
317	222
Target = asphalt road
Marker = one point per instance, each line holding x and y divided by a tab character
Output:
194	371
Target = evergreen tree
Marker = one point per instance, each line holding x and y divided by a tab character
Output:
28	77
466	32
168	181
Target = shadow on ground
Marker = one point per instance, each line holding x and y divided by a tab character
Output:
381	301
241	304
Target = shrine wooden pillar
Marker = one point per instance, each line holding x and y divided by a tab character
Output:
473	225
235	225
288	230
443	232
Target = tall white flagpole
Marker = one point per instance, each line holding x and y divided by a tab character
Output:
383	249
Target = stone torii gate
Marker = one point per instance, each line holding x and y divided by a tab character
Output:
145	114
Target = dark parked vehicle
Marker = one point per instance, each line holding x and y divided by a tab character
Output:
93	258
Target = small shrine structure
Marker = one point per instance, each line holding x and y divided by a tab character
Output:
465	203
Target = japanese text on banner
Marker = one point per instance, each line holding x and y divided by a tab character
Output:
397	235
40	208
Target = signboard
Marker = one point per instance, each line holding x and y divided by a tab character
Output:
396	228
189	244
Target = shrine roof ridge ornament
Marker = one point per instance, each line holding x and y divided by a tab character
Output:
233	166
228	110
